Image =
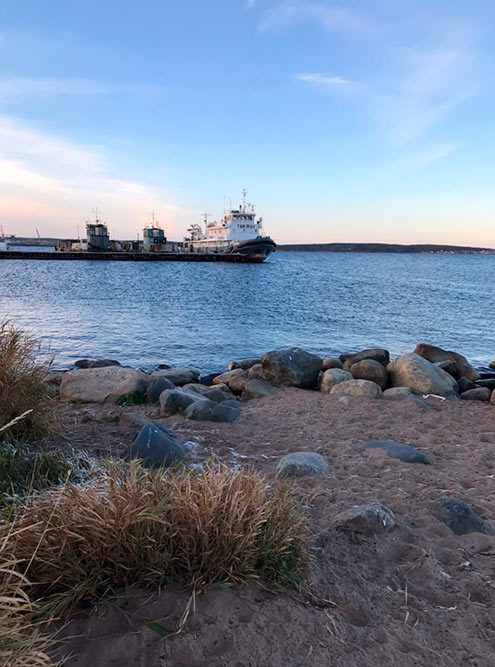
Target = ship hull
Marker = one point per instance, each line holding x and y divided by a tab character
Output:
257	249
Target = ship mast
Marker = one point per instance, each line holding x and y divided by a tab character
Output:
244	193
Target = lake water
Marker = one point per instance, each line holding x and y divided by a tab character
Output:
204	315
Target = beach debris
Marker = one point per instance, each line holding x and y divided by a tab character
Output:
299	464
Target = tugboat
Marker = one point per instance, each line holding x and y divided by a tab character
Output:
238	232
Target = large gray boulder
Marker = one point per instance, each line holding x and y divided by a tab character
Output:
214	412
103	385
420	375
178	376
369	369
293	367
235	379
357	388
459	366
175	401
382	356
331	377
299	464
156	447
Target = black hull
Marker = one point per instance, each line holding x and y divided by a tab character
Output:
257	249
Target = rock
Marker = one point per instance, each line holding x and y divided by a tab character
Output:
420	375
397	393
245	365
103	385
382	356
214	412
492	397
331	377
207	380
331	363
369	369
178	376
491	364
95	363
224	388
156	387
345	400
488	383
257	389
156	447
398	450
175	401
465	385
365	519
255	372
212	393
420	403
235	380
435	354
449	366
292	367
162	367
478	394
357	388
459	517
299	464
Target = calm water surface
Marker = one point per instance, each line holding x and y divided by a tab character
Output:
204	315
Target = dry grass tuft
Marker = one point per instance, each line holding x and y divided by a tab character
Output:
23	390
137	526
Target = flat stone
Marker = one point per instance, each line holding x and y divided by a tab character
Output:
228	411
178	376
108	384
478	394
398	450
368	519
397	393
331	377
257	389
156	388
357	388
299	464
459	517
156	447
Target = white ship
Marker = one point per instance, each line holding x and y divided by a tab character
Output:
238	231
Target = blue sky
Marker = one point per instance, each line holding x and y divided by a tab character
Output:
357	120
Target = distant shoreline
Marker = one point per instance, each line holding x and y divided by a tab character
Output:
430	249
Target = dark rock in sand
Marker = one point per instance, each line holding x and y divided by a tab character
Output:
293	367
156	447
95	363
331	363
382	356
365	519
257	389
206	410
478	394
459	517
489	384
369	369
435	354
156	388
246	364
398	450
299	464
465	384
175	401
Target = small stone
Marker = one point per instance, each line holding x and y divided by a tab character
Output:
156	447
156	388
382	356
245	364
465	384
492	364
255	372
178	376
299	464
206	410
365	519
398	450
357	388
369	369
332	377
175	401
235	380
331	363
397	393
489	383
95	363
213	393
257	389
459	517
478	394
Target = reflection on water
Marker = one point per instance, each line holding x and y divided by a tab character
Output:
204	315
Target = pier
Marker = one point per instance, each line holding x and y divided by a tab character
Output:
236	258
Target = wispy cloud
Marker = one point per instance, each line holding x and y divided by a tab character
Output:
14	87
424	157
330	18
56	183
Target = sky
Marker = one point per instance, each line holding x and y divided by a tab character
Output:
346	120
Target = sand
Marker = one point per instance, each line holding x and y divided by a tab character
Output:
418	595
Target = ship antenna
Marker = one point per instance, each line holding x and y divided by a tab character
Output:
244	193
206	216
